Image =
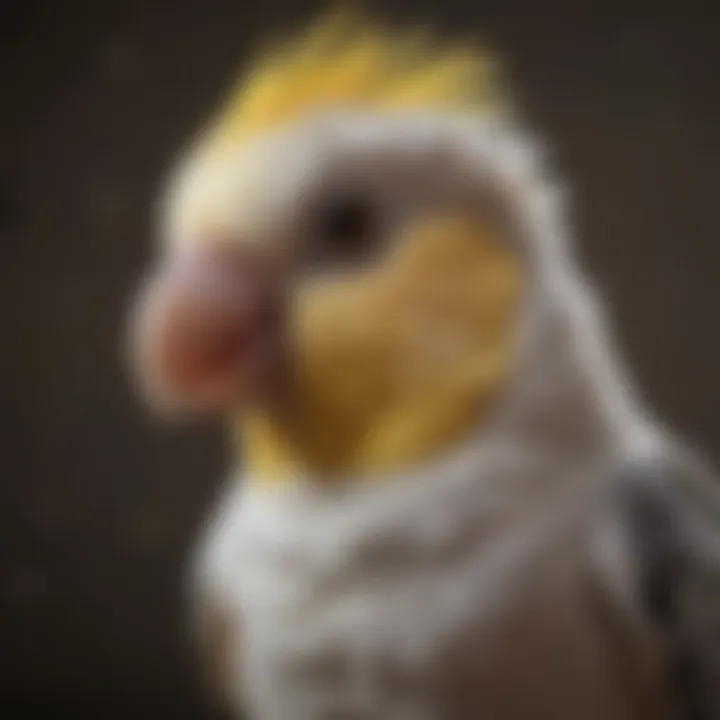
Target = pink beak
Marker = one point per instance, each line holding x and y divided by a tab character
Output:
205	329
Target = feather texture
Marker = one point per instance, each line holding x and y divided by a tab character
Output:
344	61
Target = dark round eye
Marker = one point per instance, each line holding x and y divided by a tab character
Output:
347	226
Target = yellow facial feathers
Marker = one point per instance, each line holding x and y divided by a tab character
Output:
398	364
344	62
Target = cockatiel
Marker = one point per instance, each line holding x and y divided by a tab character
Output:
452	505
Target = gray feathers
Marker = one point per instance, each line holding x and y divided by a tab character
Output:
670	514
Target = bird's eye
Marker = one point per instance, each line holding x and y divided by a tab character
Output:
347	220
347	227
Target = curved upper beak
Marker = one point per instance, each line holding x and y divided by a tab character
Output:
205	329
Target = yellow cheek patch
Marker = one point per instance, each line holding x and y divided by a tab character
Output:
394	366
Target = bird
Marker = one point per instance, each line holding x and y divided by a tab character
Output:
447	497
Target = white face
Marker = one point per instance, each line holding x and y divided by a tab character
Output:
334	194
280	187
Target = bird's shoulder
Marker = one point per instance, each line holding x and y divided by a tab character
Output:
665	507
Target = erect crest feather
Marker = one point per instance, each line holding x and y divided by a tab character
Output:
344	61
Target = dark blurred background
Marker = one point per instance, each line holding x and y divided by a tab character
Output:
98	505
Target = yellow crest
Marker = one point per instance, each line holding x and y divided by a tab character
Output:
344	61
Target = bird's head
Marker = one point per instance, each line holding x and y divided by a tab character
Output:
343	265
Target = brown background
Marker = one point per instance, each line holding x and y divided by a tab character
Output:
97	505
